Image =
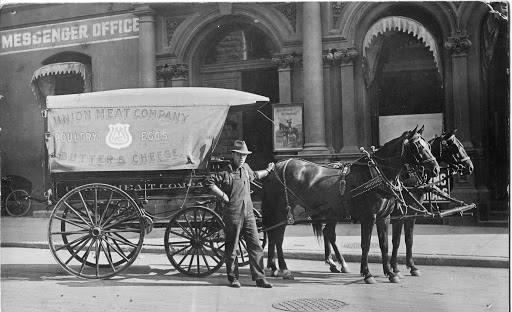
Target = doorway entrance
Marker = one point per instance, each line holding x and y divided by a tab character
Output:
257	124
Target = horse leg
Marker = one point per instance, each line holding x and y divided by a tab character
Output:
366	237
271	255
287	274
330	239
275	242
409	262
382	231
397	233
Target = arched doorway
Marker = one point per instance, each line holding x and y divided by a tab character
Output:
238	56
403	74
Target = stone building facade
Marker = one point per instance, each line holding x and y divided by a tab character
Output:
361	72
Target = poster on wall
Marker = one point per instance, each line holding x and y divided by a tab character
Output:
288	127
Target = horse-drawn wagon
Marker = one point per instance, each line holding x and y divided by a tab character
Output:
111	153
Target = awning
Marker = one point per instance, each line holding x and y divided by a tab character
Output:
372	42
43	80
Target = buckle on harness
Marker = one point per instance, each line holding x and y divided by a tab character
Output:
289	217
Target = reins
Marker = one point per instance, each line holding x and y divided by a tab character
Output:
377	180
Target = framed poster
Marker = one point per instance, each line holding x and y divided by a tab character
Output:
288	132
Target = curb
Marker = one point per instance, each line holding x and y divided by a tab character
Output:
431	260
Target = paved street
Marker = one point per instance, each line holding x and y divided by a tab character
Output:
32	281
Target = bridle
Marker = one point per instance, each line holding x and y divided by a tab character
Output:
452	152
420	159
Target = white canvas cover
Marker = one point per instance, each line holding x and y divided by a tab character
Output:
138	129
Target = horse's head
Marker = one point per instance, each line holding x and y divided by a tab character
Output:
416	151
450	150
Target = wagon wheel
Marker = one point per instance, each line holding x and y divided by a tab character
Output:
17	203
191	241
243	254
95	231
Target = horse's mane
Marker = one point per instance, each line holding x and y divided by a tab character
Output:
388	147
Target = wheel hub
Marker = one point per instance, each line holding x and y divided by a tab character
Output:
96	231
196	240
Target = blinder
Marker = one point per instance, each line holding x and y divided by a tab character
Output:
416	147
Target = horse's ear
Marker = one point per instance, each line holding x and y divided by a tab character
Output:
421	129
449	135
415	129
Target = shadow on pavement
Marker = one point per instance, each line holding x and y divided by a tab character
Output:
161	275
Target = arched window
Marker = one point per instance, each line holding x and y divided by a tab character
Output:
63	73
247	43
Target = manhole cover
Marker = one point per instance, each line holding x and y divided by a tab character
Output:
310	305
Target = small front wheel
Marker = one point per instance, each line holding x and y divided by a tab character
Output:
193	239
18	203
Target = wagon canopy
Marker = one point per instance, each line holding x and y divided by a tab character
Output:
138	129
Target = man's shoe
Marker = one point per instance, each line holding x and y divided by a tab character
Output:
263	283
235	283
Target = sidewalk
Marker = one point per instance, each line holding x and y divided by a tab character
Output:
433	244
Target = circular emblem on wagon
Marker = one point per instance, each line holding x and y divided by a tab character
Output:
119	136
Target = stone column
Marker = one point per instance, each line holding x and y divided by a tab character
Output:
160	76
463	187
147	47
348	103
329	121
458	46
180	75
314	115
284	63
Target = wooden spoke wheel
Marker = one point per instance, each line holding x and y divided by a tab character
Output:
17	203
192	241
96	231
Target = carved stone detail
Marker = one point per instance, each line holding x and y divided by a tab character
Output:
171	25
336	12
346	55
290	11
458	44
287	60
328	58
172	71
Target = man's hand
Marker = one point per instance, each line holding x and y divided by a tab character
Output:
225	198
270	167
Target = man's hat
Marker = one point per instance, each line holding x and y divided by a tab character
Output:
240	147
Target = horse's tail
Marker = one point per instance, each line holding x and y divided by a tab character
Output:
317	229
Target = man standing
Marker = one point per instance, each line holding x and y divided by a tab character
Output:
232	184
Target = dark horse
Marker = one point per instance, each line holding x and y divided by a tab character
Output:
364	193
446	149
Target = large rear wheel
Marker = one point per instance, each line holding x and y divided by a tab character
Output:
192	239
96	231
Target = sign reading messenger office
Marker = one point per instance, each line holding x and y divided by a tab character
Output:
49	36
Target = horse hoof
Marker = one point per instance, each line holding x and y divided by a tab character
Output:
399	274
334	269
370	280
288	275
275	273
345	270
394	279
415	273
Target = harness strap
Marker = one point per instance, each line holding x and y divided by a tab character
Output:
337	200
289	211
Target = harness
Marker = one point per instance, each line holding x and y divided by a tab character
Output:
423	185
378	180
